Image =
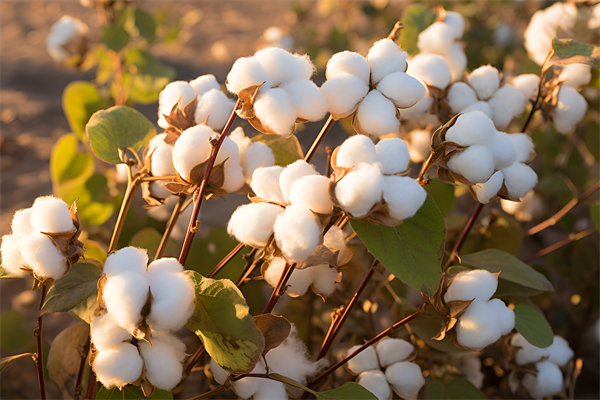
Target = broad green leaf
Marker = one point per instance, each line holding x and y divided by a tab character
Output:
149	238
458	388
115	37
68	163
131	392
595	214
13	334
569	51
532	324
79	101
145	24
286	150
75	287
415	20
412	251
94	204
65	353
511	268
5	361
222	321
149	76
443	195
116	129
348	391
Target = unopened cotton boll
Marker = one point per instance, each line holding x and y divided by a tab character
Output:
284	66
246	72
523	145
474	284
42	256
506	316
478	326
503	150
527	84
519	179
175	92
559	351
355	150
471	128
570	109
294	171
506	104
402	89
392	350
376	115
125	295
118	365
297	233
460	96
306	98
128	259
575	75
324	279
51	214
457	61
386	57
204	83
359	190
214	107
475	163
392	154
265	184
299	280
481	106
419	145
343	93
172	300
456	21
430	68
256	156
436	38
105	333
485	80
252	224
274	109
376	383
12	259
192	148
348	62
487	190
406	379
366	360
162	360
547	382
21	222
403	195
312	193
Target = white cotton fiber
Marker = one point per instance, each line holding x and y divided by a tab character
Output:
356	149
456	21
343	93
460	96
228	154
481	106
506	104
575	75
164	265
403	89
546	383
324	279
162	157
11	255
204	83
475	164
233	179
128	259
172	300
527	353
312	193
241	140
470	366
124	296
420	145
505	316
252	224
162	360
292	172
457	61
265	184
527	84
430	68
523	145
274	109
392	154
486	191
334	240
284	66
214	107
376	383
348	62
21	222
436	38
519	179
471	128
51	214
366	360
306	98
403	195
40	254
570	109
360	189
392	350
118	366
291	359
219	374
418	111
269	390
485	80
386	57
406	379
297	233
175	92
298	282
478	326
559	351
503	150
246	72
256	156
192	148
376	115
474	284
63	34
105	333
247	387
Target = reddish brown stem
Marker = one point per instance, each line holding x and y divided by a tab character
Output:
78	393
39	359
132	186
169	228
285	276
573	237
91	388
225	260
463	236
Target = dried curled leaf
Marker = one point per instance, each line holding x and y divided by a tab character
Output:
180	119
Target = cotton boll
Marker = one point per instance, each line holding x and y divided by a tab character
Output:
481	106
376	115
241	140
570	109
294	171
247	387
416	112
204	83
298	282
457	61
291	359
359	190
269	390
306	98
219	374
470	366
403	195
559	352
51	214
124	296
385	57
431	68
406	379
105	333
162	361
274	109
419	145
436	38
233	179
40	254
475	163
246	72
265	184
334	240
12	259
547	382
192	148
256	156
324	279
391	350
507	103
162	158
297	233
375	382
486	191
474	284
527	353
471	128
519	179
485	80
312	193
118	366
348	62
506	316
343	93
456	21
252	224
214	107
284	66
128	259
172	300
478	326
460	95
503	150
575	75
402	89
392	154
21	222
175	92
366	360
356	149
527	84
228	154
164	265
524	147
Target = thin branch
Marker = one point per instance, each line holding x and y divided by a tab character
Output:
534	106
39	358
248	268
226	259
573	237
132	187
78	392
191	362
91	388
395	30
169	228
319	138
158	178
277	291
463	235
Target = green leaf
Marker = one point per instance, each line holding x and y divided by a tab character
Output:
457	388
68	163
348	391
94	251
443	194
5	361
116	129
65	353
13	334
79	101
149	78
511	268
415	20
145	24
532	324
115	37
595	214
286	149
569	51
131	392
75	287
222	321
411	251
149	238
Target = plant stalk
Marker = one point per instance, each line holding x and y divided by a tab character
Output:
132	187
573	237
463	235
39	359
226	260
319	138
169	228
285	276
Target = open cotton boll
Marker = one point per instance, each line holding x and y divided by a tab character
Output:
214	107
481	106
242	141
527	84
376	383
348	62
294	171
128	259
291	359
51	214
62	33
297	233
470	366
478	326
376	115
162	360
457	61
298	282
312	193
233	179
506	316
247	387
324	279
192	148
12	259
420	145
246	72
265	184
460	96
485	80
355	150
269	390
359	190
284	66
256	156
475	163
430	68
164	265
471	128
118	366
161	163
274	109
204	83
559	351
486	191
403	195
343	93
392	350
42	256
406	379
228	154
175	92
252	224
524	147
172	300
386	57
570	109
436	38
547	382
417	112
456	21
519	179
219	374
506	103
474	284
392	154
306	98
105	333
366	360
575	75
124	296
503	150
335	240
527	353
402	89
21	222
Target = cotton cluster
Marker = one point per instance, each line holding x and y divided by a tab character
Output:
375	87
570	109
287	94
484	321
29	247
548	381
369	176
530	207
253	155
389	355
67	38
